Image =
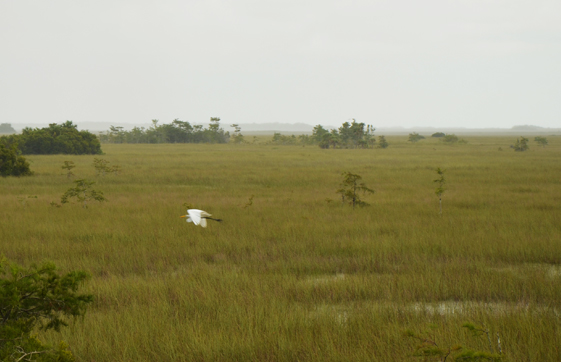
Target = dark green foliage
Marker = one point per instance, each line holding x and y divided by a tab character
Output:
55	139
37	297
521	145
350	189
83	192
438	134
429	349
541	140
325	138
12	163
415	137
354	135
7	128
175	132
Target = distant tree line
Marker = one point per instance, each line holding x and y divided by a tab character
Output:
175	132
56	139
349	135
7	128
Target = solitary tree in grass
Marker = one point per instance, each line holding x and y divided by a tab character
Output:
521	145
83	192
450	139
68	166
542	141
37	298
382	143
350	189
415	137
440	188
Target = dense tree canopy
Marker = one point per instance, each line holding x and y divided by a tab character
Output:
55	139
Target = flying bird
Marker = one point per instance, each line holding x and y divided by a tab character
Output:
198	217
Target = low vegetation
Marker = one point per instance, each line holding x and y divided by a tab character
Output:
288	276
521	144
37	299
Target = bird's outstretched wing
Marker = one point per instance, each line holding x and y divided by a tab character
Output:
195	216
198	216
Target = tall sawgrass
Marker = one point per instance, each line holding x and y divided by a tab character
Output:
297	275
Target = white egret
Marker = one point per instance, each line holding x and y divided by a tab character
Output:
198	217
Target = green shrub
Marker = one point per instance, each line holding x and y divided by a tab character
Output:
11	163
37	297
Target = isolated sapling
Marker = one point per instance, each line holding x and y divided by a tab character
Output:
102	167
415	137
68	166
84	192
521	145
350	188
440	189
382	143
541	140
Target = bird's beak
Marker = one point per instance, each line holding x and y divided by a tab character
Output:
183	216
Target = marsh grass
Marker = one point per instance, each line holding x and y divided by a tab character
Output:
294	277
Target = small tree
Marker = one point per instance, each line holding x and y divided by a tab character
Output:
541	141
415	137
521	145
382	143
440	189
237	137
350	189
68	166
37	297
83	192
102	167
450	138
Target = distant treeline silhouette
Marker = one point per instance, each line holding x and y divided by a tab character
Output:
175	132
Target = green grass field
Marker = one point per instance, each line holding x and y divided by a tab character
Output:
293	274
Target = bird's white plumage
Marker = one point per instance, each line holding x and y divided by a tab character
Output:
197	217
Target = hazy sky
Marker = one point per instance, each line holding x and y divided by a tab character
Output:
457	63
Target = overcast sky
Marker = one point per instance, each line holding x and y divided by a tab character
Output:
456	63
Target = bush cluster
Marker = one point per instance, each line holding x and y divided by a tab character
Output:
55	139
12	163
174	132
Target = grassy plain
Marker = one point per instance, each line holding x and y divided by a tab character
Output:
296	275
